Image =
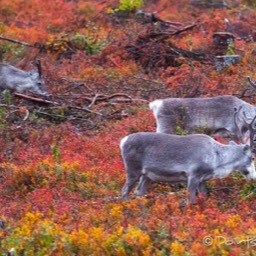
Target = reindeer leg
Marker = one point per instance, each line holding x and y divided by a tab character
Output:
193	185
129	184
142	186
202	189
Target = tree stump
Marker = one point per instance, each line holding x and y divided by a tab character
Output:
222	38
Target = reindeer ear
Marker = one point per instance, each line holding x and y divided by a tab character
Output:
247	148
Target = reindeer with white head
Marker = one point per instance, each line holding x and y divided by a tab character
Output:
221	114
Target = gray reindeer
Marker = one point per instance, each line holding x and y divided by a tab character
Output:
221	114
193	158
20	81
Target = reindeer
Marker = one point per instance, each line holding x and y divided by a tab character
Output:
221	114
193	158
20	81
251	124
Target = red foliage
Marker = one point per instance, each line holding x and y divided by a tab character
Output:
60	183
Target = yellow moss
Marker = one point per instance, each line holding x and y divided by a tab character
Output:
96	233
121	252
79	238
24	231
116	212
31	218
137	236
233	221
177	248
120	231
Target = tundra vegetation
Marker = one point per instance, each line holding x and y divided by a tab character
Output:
103	61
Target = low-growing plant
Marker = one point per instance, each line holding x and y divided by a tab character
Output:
56	154
7	97
249	190
129	5
91	45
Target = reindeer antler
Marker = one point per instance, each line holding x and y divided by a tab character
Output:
251	125
253	84
39	67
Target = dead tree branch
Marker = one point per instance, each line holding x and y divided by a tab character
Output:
166	35
151	17
19	42
161	36
105	98
70	107
51	115
86	110
94	100
39	100
184	29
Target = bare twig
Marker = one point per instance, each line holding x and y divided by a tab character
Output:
7	106
19	42
35	99
39	67
129	101
94	100
252	83
149	80
26	116
100	97
184	29
115	96
164	35
86	110
50	115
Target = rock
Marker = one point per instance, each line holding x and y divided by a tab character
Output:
210	3
225	61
